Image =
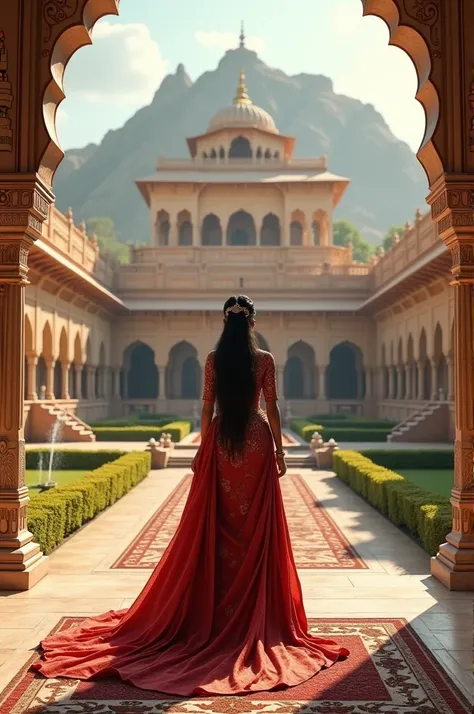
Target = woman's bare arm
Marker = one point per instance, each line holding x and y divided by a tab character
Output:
206	418
273	415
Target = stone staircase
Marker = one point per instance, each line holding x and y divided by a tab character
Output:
296	458
428	424
44	416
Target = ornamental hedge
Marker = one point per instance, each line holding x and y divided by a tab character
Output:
426	515
71	459
145	419
409	459
54	515
177	429
306	427
350	421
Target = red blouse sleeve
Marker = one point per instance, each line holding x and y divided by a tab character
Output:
269	386
209	393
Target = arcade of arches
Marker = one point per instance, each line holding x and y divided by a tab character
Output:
413	354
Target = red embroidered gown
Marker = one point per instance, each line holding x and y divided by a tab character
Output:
222	612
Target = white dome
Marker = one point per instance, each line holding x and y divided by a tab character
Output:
242	114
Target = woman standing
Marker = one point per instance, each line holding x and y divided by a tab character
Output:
223	611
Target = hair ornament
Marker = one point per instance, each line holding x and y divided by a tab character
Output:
236	309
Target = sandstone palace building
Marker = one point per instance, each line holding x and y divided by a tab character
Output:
240	215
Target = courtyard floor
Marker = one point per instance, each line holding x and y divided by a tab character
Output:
371	570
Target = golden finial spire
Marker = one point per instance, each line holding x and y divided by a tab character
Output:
242	35
242	96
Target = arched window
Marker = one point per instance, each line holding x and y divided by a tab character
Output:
294	378
240	148
211	230
298	377
268	154
185	228
186	233
204	155
345	373
276	155
316	232
259	152
162	228
213	154
222	153
141	372
296	233
270	233
241	229
183	373
190	378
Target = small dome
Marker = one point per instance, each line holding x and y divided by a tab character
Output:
242	114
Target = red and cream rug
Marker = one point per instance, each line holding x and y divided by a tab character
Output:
317	541
389	671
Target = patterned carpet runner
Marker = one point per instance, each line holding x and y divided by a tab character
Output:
389	671
317	541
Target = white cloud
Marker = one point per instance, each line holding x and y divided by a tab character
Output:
346	19
378	74
123	66
228	40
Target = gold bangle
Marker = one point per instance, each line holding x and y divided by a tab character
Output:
280	453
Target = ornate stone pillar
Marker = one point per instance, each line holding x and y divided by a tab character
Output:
161	382
66	366
322	369
31	364
400	371
50	379
421	380
408	381
391	382
380	383
78	380
23	206
434	380
90	382
452	202
280	374
360	382
369	373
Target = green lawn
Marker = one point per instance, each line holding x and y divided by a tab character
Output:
60	477
438	481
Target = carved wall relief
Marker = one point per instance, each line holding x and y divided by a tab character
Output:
6	99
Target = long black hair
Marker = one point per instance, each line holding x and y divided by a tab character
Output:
234	364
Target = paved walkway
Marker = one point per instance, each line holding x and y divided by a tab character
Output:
395	584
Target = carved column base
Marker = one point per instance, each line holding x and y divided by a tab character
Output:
22	564
454	567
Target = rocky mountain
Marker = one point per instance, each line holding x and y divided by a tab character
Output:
388	183
73	160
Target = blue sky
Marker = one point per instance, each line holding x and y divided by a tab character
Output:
107	82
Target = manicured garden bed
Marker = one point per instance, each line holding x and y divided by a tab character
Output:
140	432
60	477
425	514
354	429
55	514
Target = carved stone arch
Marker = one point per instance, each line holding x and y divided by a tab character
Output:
63	31
417	29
